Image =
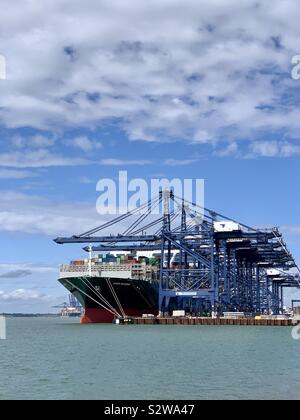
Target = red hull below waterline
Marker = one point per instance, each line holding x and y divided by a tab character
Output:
101	316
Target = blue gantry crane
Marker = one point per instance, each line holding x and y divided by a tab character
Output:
208	262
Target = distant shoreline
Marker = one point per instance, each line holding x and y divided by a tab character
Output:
20	315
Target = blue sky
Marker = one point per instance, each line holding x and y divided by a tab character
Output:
161	90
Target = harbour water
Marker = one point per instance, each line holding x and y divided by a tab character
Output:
54	358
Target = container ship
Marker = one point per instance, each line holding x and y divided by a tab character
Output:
112	286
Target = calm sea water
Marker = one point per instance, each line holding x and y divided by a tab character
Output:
52	358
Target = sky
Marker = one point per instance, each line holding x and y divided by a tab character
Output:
171	88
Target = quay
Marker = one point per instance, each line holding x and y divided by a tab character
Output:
206	321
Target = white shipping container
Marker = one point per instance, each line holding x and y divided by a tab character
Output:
178	313
273	272
227	226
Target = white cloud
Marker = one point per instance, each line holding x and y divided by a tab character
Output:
86	180
35	142
29	268
38	159
274	149
84	143
123	162
162	70
35	215
291	229
288	150
23	295
178	162
266	149
12	174
231	149
15	274
28	287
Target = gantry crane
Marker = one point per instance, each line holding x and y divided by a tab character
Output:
221	264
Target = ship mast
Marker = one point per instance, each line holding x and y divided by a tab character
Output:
90	261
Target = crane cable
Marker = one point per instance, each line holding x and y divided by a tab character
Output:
90	297
115	296
136	223
114	221
93	288
213	212
142	217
